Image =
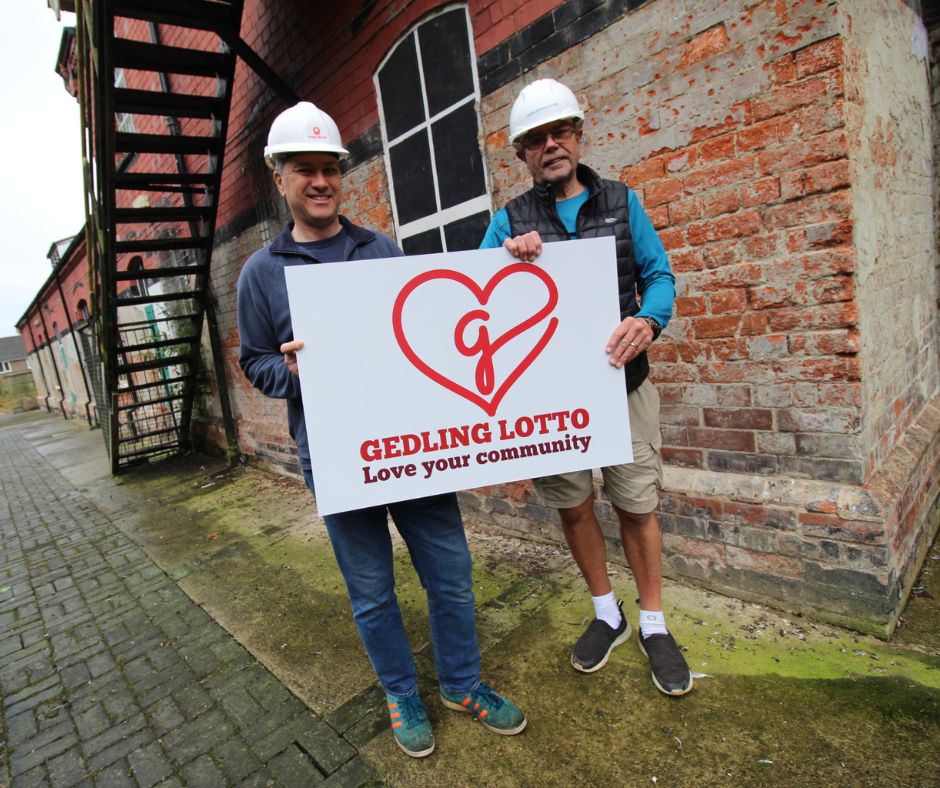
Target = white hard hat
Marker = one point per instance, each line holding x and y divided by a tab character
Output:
303	128
540	102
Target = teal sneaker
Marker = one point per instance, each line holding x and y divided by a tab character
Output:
410	725
497	713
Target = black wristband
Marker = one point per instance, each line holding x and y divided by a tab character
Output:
657	329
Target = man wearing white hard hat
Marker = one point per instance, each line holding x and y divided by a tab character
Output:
304	149
569	200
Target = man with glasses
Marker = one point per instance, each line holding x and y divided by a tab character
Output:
569	200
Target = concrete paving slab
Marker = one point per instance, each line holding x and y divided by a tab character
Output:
186	622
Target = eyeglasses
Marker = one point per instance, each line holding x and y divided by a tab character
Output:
535	142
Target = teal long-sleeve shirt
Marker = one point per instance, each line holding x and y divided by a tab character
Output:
655	282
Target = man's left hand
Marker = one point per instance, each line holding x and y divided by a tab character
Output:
629	339
289	350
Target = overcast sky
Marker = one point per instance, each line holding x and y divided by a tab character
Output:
41	198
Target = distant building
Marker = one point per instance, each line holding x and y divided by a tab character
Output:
13	359
57	333
16	383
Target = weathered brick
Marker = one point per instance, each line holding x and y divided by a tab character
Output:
826	343
776	443
717	203
705	45
686	260
689	458
732	440
818	420
764	134
805	153
709	327
738	418
823	316
818	369
639	174
742	462
810	210
735	396
727	301
768	348
819	56
765	563
721	174
662	192
715	149
737	225
783	69
690	306
721	253
829	526
786	98
680	414
685	210
760	192
822	178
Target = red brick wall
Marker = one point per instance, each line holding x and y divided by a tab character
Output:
73	274
55	360
730	128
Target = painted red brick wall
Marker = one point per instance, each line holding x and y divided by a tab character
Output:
57	374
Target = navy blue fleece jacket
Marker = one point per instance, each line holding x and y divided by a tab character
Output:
264	322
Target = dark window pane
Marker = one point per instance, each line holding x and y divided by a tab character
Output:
401	90
445	56
457	154
466	233
411	172
423	243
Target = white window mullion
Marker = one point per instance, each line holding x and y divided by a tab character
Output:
430	137
448	215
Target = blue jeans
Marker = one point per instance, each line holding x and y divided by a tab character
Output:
433	531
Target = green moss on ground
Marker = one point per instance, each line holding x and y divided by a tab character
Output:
785	701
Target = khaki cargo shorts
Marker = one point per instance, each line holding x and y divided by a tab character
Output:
633	487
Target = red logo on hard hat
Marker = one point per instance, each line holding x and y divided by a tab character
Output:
316	134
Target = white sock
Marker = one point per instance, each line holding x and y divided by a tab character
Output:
605	608
652	622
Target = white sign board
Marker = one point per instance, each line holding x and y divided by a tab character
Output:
442	372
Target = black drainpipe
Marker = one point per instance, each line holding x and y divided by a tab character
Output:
78	354
55	367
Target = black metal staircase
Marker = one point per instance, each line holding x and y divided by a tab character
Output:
155	90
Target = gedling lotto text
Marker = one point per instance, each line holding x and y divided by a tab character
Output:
552	432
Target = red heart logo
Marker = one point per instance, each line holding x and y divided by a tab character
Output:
485	377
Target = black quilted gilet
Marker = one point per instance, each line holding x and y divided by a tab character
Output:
604	213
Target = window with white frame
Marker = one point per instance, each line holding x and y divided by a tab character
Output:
5	367
428	94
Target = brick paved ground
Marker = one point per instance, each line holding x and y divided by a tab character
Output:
110	675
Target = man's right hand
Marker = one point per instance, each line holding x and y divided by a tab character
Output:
526	247
289	349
